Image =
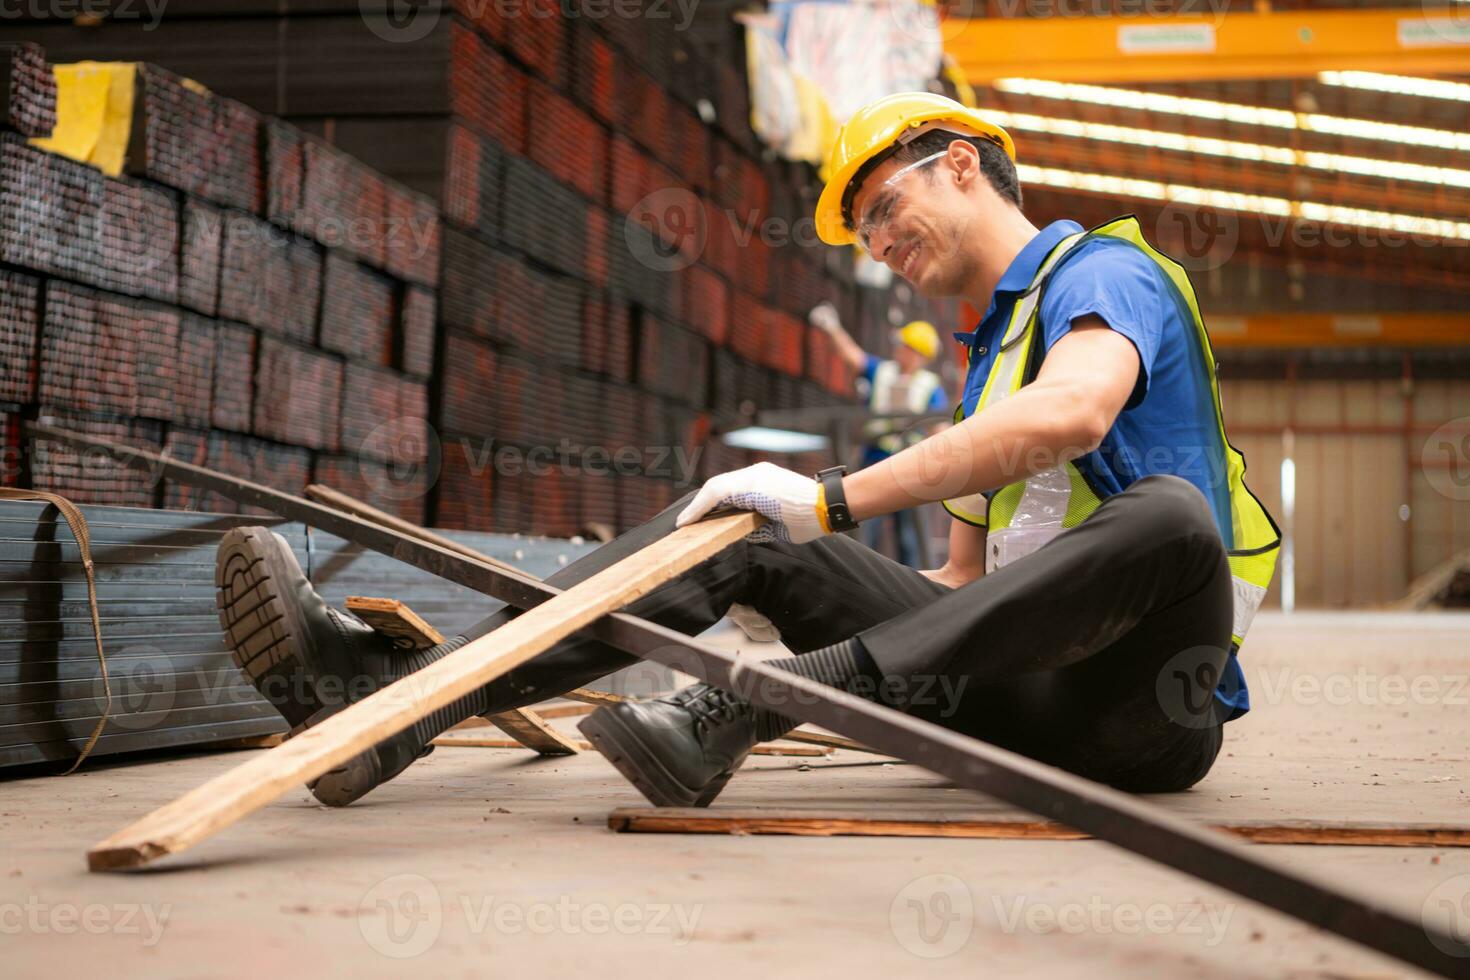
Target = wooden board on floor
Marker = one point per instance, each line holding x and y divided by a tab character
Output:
1002	826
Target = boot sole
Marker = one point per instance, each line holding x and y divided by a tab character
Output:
264	632
266	636
621	746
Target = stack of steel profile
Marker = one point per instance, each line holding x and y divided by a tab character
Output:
298	394
172	679
27	90
619	265
243	294
199	256
358	310
186	138
20	325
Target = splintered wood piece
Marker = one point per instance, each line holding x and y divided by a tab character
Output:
478	742
830	741
396	620
532	731
411	631
223	800
588	696
839	823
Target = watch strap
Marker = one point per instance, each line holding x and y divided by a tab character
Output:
839	518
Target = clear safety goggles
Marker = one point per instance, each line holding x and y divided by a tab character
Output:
886	199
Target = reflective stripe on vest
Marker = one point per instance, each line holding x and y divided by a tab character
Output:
887	434
1023	516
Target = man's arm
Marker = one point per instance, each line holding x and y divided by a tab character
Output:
1084	383
824	318
966	560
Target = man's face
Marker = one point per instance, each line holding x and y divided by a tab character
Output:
915	224
909	360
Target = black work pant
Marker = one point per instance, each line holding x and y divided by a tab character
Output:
1098	653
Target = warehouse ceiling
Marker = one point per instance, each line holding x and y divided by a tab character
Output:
1323	187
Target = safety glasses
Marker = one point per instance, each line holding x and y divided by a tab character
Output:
886	199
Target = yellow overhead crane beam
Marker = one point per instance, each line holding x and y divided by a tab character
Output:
1154	48
1367	329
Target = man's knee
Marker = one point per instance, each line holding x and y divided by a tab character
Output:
1175	507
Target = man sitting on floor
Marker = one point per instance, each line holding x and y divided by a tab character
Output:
1105	556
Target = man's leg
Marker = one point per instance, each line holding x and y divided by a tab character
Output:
1057	656
816	594
1076	655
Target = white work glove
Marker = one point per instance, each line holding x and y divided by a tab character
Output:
753	624
788	500
824	317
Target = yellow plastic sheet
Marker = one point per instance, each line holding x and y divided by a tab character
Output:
94	113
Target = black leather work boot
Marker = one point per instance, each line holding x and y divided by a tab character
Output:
306	658
678	750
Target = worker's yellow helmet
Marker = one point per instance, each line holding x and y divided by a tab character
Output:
922	337
875	131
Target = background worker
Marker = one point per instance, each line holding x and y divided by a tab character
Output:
901	385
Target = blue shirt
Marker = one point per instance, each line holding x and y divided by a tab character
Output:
1168	424
871	453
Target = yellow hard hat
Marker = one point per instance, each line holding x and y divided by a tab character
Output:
922	337
874	131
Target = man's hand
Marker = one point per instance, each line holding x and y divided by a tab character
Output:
948	576
759	628
824	317
788	500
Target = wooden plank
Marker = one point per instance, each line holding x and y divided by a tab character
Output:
396	620
485	742
529	729
478	742
408	629
830	741
589	696
233	795
566	710
846	823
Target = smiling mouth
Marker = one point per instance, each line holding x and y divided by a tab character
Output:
909	260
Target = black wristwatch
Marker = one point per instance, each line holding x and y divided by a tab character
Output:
839	518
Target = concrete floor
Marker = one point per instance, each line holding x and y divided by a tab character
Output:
488	861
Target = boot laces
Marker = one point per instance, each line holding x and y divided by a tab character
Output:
710	706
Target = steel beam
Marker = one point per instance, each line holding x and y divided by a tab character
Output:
1191	48
1105	813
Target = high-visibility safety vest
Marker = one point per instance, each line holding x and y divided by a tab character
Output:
1025	515
887	383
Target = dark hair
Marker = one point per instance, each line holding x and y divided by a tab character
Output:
995	163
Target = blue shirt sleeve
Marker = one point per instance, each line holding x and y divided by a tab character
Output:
938	402
1117	283
870	367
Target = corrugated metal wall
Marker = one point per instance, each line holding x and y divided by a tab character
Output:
1359	449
